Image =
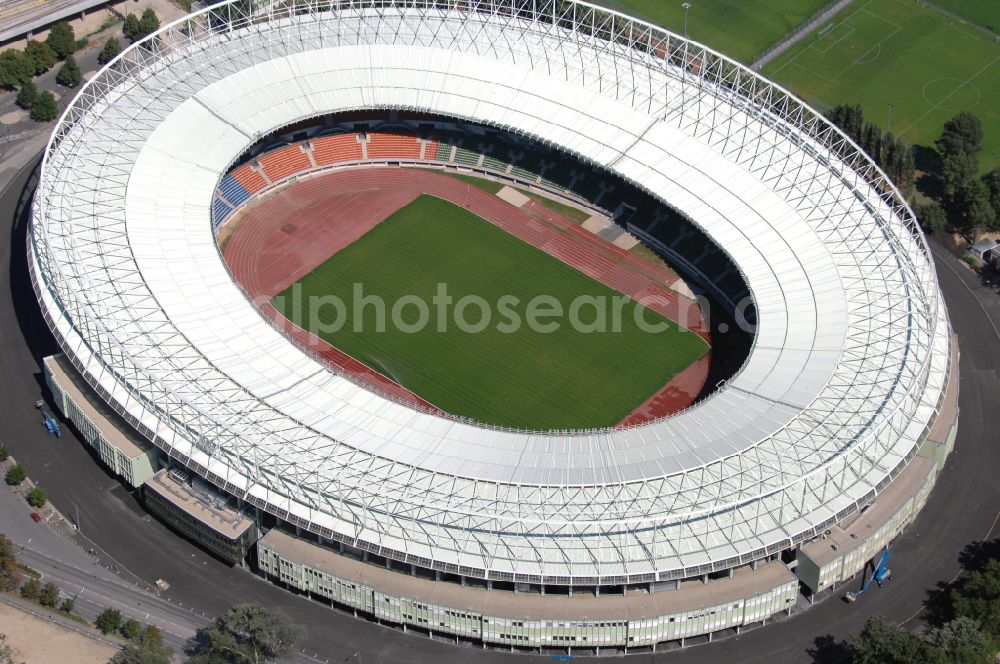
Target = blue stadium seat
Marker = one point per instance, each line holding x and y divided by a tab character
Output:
220	212
234	192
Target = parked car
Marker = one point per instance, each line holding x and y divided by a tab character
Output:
37	517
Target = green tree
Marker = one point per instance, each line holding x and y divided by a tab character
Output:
67	605
977	597
972	202
148	22
957	169
69	74
882	642
109	620
49	595
965	196
10	572
41	56
131	28
112	47
15	475
61	39
871	141
897	162
932	218
44	109
850	119
992	182
4	452
131	629
962	133
148	649
962	642
27	94
246	633
37	497
31	589
15	68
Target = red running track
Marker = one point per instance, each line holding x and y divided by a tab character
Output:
286	233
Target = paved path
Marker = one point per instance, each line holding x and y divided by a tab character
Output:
799	34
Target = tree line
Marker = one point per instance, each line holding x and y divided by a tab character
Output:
890	152
18	68
964	201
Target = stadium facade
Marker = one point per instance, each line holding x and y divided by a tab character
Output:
850	367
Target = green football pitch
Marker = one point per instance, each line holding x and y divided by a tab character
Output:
984	13
741	29
927	65
504	374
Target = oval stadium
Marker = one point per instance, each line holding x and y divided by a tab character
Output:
511	488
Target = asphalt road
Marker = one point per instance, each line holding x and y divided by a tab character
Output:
962	509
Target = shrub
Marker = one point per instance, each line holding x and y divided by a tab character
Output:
131	28
41	56
44	109
4	453
49	595
67	605
112	47
37	497
27	95
148	22
932	218
61	39
130	629
109	620
31	589
16	475
16	68
69	74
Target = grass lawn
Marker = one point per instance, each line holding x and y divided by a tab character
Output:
927	65
489	186
523	378
741	29
568	211
985	13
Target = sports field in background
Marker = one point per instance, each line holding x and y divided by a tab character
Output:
984	13
741	29
927	65
562	379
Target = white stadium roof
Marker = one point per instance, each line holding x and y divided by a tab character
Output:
845	372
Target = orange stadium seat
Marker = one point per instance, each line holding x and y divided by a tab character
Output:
393	146
251	180
430	152
285	162
335	149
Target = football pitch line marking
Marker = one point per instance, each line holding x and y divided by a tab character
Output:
850	31
829	47
937	106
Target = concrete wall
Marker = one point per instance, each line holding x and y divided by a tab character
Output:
133	469
519	631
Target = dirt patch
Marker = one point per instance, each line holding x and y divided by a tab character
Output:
37	641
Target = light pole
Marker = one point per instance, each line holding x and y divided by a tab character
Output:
686	6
